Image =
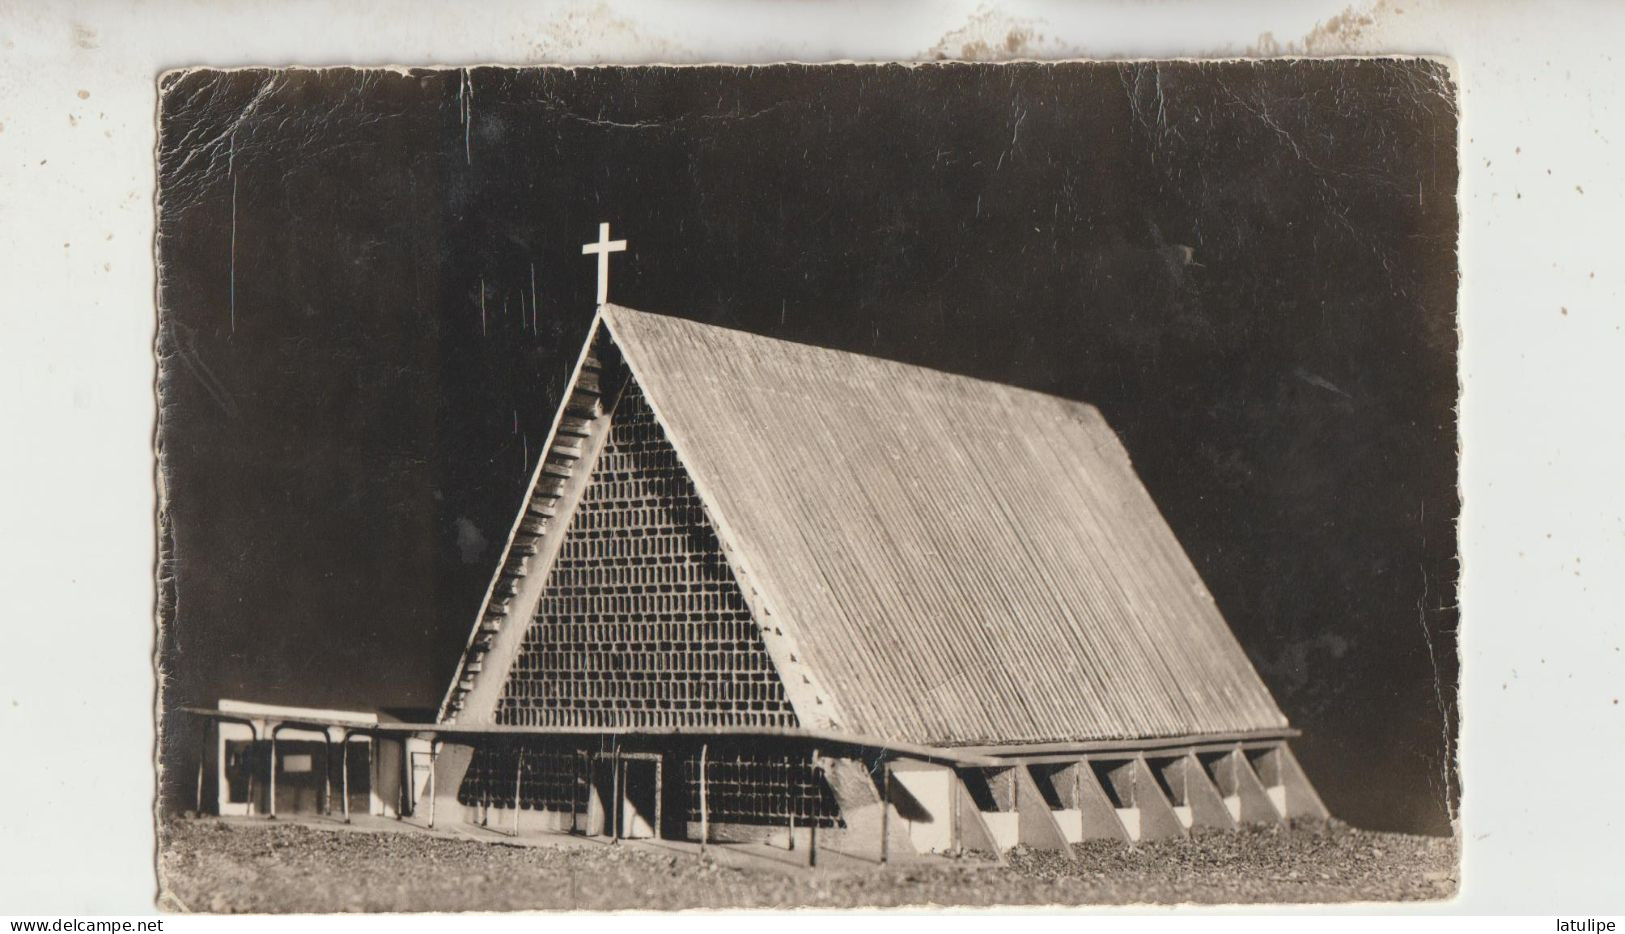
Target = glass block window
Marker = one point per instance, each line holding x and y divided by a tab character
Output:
753	785
642	623
546	778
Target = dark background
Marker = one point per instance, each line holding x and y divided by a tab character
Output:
1249	268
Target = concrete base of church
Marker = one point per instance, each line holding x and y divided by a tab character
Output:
1172	793
1050	802
905	807
902	807
862	801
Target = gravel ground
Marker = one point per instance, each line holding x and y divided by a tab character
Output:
209	866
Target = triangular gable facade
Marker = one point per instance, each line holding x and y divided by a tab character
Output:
615	605
922	557
642	622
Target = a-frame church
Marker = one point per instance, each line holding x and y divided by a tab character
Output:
761	590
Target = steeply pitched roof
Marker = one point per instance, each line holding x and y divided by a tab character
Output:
952	561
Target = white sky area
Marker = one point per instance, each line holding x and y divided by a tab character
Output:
1543	528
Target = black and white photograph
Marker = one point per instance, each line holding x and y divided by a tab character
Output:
807	486
701	465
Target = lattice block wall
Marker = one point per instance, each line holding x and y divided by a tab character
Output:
642	622
754	786
548	778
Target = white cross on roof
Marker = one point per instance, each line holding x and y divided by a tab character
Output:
603	248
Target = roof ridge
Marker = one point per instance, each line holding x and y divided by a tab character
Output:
611	311
917	527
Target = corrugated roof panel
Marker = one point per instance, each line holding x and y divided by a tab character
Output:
959	561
